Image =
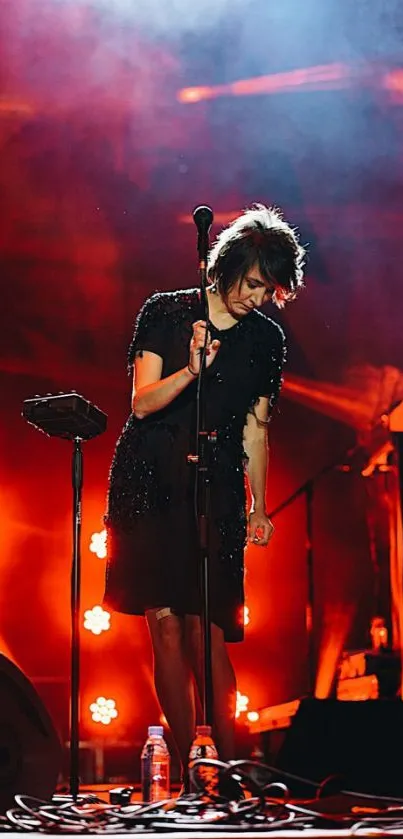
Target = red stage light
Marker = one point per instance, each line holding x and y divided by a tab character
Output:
97	620
393	81
242	703
319	77
98	544
103	710
189	95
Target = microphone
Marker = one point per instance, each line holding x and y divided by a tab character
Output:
203	219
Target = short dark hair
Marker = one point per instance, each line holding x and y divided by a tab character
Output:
261	237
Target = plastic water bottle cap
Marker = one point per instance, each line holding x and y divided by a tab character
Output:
155	731
203	730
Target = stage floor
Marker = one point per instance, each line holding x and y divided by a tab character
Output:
339	815
308	833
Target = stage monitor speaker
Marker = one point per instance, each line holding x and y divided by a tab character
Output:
362	742
30	750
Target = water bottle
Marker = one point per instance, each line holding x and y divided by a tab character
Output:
203	747
155	762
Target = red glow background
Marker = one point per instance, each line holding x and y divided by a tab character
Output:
101	165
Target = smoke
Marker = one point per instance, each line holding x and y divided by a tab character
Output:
363	26
174	17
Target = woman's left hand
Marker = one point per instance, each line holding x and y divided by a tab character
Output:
260	528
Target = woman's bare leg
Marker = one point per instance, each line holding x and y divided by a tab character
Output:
224	682
173	678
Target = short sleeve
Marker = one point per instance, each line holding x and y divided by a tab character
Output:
271	373
149	329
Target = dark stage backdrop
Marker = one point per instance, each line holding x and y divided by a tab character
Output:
102	163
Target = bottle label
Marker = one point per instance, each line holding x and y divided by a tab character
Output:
154	776
146	776
199	752
207	775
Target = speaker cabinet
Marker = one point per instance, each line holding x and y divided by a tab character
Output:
362	742
30	751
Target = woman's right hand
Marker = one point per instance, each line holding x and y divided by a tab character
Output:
197	344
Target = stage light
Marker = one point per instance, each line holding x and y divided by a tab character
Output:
103	710
244	616
98	544
195	94
336	76
252	716
242	703
97	620
392	81
163	720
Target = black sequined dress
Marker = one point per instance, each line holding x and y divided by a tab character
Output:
152	536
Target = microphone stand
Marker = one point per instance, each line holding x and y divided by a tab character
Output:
77	482
203	218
